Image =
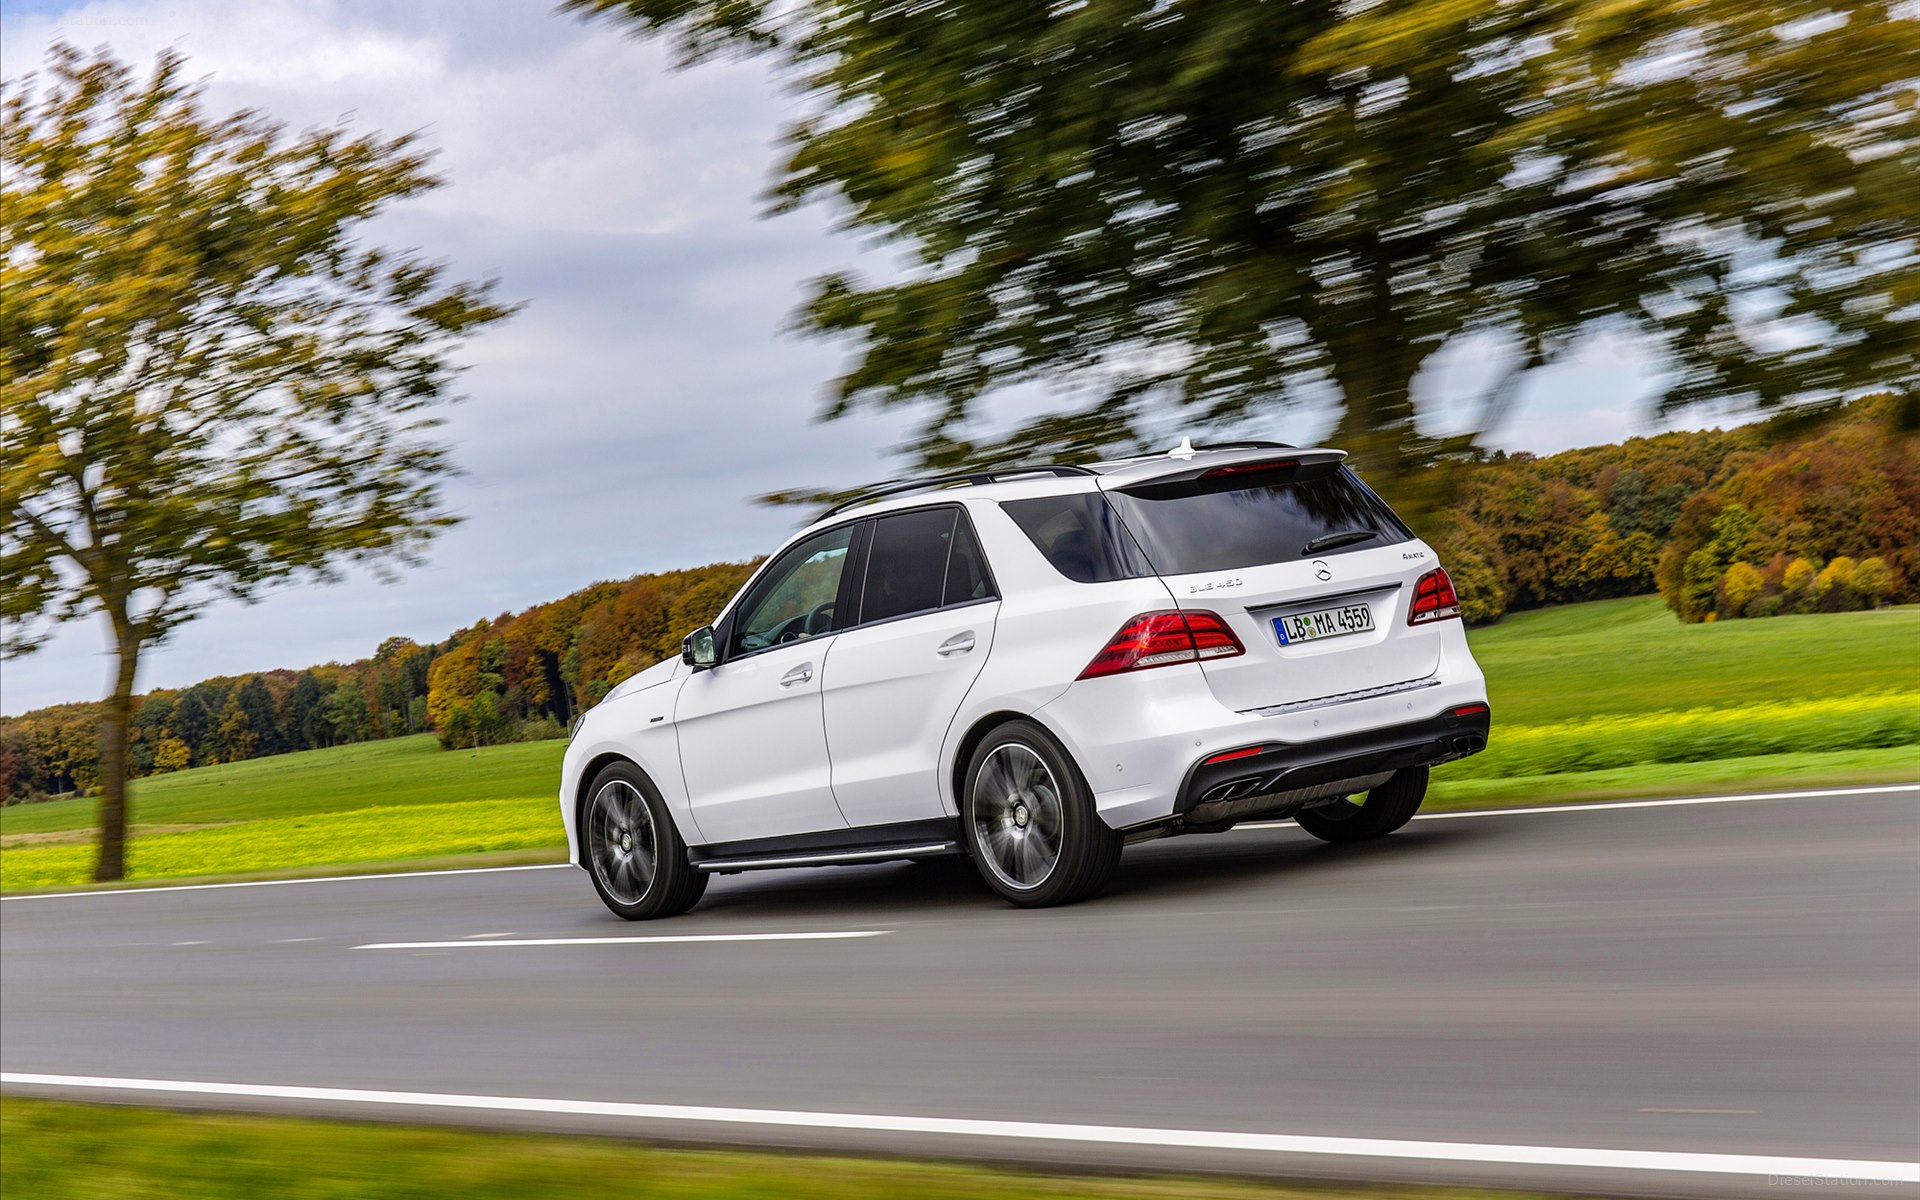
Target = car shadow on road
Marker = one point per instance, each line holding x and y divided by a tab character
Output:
1279	859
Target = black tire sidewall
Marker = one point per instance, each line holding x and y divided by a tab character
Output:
1088	848
675	886
1388	807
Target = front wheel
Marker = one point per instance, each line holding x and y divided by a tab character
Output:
1030	820
635	855
1388	807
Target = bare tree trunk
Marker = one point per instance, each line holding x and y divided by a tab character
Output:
115	722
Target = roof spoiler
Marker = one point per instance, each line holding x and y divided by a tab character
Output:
1171	473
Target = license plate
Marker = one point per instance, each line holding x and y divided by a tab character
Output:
1324	623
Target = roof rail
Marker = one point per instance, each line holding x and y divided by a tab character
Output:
963	479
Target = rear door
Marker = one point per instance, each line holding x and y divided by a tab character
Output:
894	680
1310	569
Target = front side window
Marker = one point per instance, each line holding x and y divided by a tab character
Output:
795	597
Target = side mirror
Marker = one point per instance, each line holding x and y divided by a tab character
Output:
697	650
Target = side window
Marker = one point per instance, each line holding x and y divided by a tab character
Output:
966	568
1080	535
907	565
795	598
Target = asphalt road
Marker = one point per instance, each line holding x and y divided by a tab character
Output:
1587	1000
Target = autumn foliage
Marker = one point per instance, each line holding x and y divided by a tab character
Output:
516	676
1753	521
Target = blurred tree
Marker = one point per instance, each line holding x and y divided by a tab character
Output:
206	385
1172	209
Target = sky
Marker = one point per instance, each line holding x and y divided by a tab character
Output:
623	420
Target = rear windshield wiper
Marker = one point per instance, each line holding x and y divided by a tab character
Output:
1346	537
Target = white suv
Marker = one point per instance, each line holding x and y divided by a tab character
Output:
1034	667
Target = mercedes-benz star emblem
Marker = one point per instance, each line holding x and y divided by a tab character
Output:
1322	571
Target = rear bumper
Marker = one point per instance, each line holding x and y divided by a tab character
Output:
1275	767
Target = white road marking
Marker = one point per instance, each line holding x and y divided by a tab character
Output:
186	943
472	936
251	883
1613	804
463	944
1713	1112
1270	1143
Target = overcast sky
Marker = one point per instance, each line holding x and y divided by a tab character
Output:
622	421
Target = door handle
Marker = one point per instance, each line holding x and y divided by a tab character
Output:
959	643
799	674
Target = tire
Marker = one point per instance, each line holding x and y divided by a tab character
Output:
1388	807
634	855
1030	821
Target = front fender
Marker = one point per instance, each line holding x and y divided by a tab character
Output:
639	728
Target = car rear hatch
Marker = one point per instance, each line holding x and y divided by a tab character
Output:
1311	571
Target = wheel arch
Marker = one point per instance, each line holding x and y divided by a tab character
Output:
588	774
981	729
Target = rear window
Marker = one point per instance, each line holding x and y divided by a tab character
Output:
1081	536
1310	512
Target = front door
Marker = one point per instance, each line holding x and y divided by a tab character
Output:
753	746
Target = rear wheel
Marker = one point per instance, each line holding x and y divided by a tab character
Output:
1030	820
1387	808
634	854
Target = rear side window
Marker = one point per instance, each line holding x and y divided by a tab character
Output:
1081	536
1307	513
920	561
967	579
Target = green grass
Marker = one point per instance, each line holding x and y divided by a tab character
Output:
1872	721
398	772
59	1151
1631	656
1590	701
316	839
1714	777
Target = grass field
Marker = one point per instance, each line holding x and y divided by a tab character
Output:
1590	701
1631	656
58	1151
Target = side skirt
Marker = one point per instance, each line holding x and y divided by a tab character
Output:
938	838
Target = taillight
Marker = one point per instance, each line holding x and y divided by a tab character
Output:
1433	599
1161	639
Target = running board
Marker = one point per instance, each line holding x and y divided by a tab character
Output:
727	864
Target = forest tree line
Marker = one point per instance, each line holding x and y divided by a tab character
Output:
1777	517
1752	521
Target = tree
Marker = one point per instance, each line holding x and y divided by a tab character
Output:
1797	584
1166	210
193	720
1739	588
1874	580
1833	587
207	384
